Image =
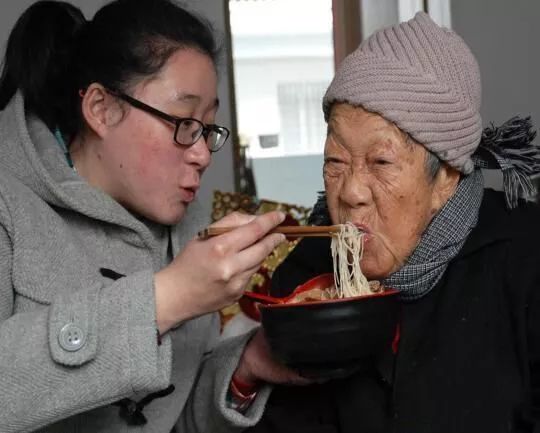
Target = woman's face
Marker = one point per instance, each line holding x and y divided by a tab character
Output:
144	169
377	179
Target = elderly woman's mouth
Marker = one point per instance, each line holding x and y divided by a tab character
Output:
362	227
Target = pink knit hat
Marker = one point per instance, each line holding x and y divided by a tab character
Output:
421	77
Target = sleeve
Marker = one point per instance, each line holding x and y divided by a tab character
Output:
44	379
201	415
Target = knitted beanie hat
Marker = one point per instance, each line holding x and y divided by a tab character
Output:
421	77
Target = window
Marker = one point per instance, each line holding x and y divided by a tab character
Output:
283	63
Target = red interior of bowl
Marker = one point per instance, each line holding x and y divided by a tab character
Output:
322	281
319	282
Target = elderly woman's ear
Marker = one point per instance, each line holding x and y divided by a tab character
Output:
445	183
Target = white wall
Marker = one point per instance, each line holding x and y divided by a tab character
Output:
220	174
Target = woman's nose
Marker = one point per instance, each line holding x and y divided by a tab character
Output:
198	153
356	191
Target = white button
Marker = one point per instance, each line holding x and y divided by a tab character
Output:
71	338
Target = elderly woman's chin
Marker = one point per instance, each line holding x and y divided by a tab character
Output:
378	267
378	262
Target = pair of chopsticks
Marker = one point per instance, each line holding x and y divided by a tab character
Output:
292	231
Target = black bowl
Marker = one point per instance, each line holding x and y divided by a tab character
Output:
329	339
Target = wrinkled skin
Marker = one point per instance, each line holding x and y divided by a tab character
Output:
376	178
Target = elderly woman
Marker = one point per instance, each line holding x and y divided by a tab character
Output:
402	161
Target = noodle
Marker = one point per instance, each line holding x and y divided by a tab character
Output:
347	249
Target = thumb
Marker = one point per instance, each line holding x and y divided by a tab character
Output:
234	219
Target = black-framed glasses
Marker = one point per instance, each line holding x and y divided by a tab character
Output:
187	129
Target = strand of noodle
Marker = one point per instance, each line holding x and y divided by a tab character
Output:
347	249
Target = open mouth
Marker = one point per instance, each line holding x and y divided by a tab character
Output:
187	194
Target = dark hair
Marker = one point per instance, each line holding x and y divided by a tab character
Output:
53	52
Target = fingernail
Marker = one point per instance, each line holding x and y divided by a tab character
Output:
282	216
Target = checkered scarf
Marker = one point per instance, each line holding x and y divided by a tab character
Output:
441	241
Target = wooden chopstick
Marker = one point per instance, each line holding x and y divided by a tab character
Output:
296	231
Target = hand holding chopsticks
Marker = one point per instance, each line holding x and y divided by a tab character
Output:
208	276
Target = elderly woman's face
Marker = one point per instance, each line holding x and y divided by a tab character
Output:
377	179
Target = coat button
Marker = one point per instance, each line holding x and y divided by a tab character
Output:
71	338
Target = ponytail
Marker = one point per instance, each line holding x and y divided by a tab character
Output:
38	59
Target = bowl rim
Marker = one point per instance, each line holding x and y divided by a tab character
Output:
386	292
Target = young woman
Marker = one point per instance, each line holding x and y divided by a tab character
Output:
105	294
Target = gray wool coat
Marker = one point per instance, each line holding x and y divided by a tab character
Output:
73	341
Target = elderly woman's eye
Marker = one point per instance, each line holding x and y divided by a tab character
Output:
382	161
333	166
333	162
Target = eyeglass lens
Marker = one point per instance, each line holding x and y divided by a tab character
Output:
189	131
